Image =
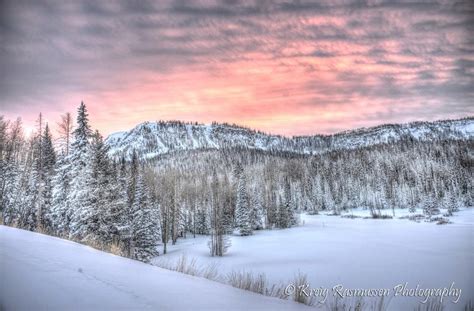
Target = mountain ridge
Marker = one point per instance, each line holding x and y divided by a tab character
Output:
151	139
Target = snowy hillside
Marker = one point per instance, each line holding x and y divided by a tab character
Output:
39	272
150	139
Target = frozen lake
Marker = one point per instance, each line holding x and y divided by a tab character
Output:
356	254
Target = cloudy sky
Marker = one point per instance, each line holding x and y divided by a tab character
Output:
284	67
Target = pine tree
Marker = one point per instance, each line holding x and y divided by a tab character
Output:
80	197
60	212
33	204
242	208
202	222
145	225
28	201
82	135
114	221
256	215
11	170
285	214
132	178
46	178
228	199
429	207
288	219
102	196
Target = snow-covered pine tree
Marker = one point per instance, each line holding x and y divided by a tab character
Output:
43	158
242	208
27	200
145	224
12	170
26	216
82	136
125	227
454	204
60	212
290	205
156	218
202	221
271	210
45	196
286	213
430	207
132	178
119	216
228	199
256	216
85	218
103	194
80	197
278	212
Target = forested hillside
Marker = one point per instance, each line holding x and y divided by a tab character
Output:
133	192
151	139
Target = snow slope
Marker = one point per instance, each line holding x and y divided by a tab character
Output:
39	272
357	253
150	139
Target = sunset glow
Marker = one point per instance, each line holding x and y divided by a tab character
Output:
286	68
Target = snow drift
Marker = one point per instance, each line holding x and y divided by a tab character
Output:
40	272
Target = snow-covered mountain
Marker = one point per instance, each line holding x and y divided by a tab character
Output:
151	139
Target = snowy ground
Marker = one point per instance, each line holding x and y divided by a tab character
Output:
356	253
39	272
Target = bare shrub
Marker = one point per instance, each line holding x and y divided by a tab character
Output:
116	249
301	282
255	283
239	279
186	267
210	272
276	290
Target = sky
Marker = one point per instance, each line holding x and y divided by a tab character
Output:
290	68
